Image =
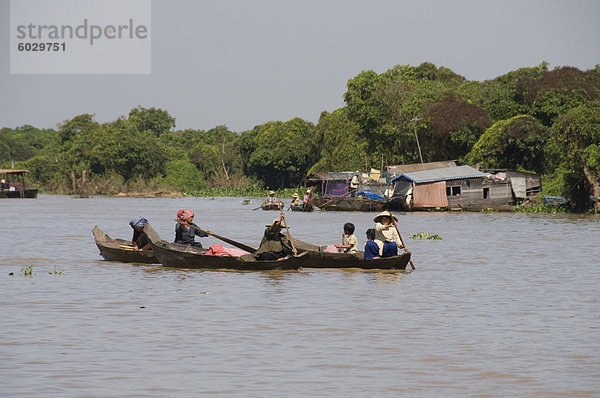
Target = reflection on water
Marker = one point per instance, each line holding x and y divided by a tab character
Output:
503	305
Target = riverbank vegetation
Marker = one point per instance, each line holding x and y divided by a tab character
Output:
531	119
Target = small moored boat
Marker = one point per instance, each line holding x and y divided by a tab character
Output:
307	208
15	188
121	249
272	206
186	256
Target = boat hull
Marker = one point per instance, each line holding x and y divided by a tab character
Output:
110	249
302	208
315	259
335	203
274	206
186	256
30	193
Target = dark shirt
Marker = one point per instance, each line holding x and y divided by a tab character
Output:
185	235
274	242
4	185
140	238
371	250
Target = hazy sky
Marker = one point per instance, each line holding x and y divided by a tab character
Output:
243	63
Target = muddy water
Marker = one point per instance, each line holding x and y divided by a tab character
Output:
503	305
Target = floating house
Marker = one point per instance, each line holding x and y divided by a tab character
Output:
349	190
462	188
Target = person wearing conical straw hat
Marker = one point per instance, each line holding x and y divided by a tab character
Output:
272	200
386	235
295	199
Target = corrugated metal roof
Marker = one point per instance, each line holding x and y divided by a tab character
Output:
411	168
332	176
442	174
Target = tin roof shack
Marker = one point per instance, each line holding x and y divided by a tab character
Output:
448	187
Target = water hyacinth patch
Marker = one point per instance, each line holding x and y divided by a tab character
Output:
426	235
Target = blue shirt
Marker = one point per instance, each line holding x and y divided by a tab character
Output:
371	250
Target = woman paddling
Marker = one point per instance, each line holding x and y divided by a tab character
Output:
186	230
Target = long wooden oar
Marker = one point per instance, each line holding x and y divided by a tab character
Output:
231	242
288	235
402	241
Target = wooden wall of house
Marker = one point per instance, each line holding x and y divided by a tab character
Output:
499	194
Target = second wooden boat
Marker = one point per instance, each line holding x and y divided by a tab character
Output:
186	256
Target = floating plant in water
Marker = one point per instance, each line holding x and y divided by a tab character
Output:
426	235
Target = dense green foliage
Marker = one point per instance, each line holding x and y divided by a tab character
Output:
532	119
515	143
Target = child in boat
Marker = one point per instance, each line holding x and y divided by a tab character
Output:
349	241
186	230
371	248
139	240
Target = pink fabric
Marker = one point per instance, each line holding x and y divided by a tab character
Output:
185	214
219	250
331	249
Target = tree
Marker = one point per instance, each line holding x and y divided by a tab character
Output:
385	106
455	125
283	152
156	121
577	136
515	143
501	97
24	142
121	148
342	149
552	93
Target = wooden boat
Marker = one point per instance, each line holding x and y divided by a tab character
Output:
345	203
17	188
272	206
315	257
302	208
186	256
117	249
319	259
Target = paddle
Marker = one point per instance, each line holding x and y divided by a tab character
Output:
402	241
231	242
287	230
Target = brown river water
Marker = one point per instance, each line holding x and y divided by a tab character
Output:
504	305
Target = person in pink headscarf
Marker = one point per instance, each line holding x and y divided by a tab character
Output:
186	230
